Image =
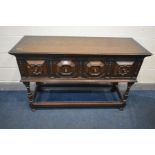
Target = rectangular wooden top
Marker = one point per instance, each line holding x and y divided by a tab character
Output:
78	45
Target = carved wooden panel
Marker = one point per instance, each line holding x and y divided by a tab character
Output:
65	68
123	69
80	67
33	67
94	68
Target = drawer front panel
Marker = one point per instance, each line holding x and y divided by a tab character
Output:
94	68
124	69
33	67
80	67
65	68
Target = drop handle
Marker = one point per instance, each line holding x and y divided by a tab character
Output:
95	70
66	70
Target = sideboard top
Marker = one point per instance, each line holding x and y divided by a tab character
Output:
78	45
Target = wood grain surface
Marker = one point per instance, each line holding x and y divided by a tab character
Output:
78	45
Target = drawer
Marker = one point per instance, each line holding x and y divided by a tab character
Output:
94	68
65	68
33	67
80	67
124	69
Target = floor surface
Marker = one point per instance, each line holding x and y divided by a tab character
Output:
139	112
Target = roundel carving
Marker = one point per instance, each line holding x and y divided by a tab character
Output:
95	68
66	67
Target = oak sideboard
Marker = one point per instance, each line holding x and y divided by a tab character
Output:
78	60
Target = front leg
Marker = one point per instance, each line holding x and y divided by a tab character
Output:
125	96
29	93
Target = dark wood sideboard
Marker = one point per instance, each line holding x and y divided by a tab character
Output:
78	60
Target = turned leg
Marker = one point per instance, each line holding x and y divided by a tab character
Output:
29	93
125	96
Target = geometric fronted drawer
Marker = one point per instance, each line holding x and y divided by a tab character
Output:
33	68
66	68
125	69
94	69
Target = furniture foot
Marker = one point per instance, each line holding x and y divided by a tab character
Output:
121	108
33	109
